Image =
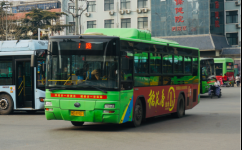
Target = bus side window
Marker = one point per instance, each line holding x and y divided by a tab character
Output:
188	64
5	72
195	67
167	64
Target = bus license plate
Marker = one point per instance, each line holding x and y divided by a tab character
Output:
77	113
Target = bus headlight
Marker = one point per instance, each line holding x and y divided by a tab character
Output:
48	104
109	106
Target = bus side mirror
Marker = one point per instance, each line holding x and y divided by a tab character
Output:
125	63
32	64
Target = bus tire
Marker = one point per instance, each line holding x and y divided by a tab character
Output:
74	123
180	108
6	104
138	113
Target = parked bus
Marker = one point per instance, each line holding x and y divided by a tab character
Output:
225	66
118	76
22	83
208	75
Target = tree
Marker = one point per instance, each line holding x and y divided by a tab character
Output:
37	18
7	24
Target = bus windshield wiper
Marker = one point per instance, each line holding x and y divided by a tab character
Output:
56	89
104	91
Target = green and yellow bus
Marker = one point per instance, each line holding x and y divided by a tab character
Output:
225	66
118	76
208	74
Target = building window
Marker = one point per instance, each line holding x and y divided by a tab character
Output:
91	24
125	4
143	23
232	17
126	23
232	38
108	5
91	6
72	27
71	7
109	23
142	3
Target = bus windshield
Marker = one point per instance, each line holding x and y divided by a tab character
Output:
229	66
83	69
208	69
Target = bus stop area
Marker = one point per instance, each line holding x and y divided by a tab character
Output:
213	124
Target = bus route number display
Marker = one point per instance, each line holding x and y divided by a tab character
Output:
81	46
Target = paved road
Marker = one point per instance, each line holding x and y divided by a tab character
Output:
212	125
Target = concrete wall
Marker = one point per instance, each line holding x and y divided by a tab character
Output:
100	15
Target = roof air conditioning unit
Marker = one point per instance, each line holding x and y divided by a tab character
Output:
46	7
54	7
237	3
128	11
88	14
111	13
145	10
121	12
139	10
238	26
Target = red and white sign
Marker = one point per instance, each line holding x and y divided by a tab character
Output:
179	19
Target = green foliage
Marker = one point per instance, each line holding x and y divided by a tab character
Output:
41	19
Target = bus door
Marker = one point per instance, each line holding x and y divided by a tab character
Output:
25	93
126	86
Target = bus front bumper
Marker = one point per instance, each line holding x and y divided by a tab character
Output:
92	112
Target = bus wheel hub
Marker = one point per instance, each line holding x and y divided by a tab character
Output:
3	104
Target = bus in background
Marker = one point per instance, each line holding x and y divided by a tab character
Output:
207	72
22	75
118	76
225	66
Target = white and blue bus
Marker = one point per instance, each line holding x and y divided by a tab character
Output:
22	75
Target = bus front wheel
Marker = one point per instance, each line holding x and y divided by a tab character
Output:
77	123
180	108
6	104
138	113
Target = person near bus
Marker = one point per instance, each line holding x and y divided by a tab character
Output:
216	87
237	79
216	83
225	79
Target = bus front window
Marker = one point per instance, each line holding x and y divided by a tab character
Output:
81	70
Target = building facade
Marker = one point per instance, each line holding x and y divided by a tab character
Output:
28	5
110	14
233	22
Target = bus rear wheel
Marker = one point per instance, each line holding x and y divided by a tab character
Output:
138	113
6	104
180	108
74	123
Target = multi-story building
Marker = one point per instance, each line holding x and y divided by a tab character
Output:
28	5
20	8
110	14
211	25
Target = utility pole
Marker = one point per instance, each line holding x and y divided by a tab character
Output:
76	16
6	26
